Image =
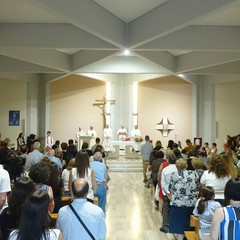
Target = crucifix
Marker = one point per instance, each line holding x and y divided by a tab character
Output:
102	103
165	127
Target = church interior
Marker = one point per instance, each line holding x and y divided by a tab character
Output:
158	59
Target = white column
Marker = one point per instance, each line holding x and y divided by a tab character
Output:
204	104
32	108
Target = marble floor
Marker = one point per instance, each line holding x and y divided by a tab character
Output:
130	211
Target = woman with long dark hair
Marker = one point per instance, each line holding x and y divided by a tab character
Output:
35	220
56	183
10	217
20	141
83	170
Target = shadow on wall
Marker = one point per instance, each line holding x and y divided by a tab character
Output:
72	85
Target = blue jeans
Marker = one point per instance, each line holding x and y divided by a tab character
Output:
102	196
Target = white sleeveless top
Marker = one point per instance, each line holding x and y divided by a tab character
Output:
53	234
88	177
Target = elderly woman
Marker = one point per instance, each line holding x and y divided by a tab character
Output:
183	196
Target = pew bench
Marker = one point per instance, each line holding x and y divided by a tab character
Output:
65	201
193	235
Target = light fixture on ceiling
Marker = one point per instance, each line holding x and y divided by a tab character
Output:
180	75
126	52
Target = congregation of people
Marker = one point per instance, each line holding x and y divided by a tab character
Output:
35	178
195	180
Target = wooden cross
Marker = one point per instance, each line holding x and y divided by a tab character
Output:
101	103
165	127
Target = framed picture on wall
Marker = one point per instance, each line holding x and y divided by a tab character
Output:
14	118
198	141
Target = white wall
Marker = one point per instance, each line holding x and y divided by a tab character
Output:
227	109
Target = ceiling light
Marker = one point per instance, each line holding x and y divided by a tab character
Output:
126	52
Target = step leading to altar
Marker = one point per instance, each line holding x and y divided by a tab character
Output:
124	165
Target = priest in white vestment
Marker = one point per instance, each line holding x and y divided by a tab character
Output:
122	133
79	133
91	132
107	137
135	133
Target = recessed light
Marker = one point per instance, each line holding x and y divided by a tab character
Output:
126	52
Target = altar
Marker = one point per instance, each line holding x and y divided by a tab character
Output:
122	144
131	149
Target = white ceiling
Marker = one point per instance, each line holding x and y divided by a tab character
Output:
56	38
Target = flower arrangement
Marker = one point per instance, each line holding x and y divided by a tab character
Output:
138	139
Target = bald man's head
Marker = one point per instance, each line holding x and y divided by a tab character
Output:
80	188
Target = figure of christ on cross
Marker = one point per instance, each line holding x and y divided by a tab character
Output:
102	103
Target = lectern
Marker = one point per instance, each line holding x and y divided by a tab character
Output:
83	139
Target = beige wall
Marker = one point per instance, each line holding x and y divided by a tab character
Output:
227	111
12	97
71	106
166	97
72	98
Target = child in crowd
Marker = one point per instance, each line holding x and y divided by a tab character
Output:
204	210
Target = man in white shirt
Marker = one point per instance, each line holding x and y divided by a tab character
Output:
91	215
107	134
5	187
93	134
165	180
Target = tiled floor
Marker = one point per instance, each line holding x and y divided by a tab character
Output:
131	211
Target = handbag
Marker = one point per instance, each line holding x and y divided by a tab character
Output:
80	220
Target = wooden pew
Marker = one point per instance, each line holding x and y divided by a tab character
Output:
65	201
53	217
193	235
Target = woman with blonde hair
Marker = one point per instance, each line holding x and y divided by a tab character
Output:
183	196
227	158
198	166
